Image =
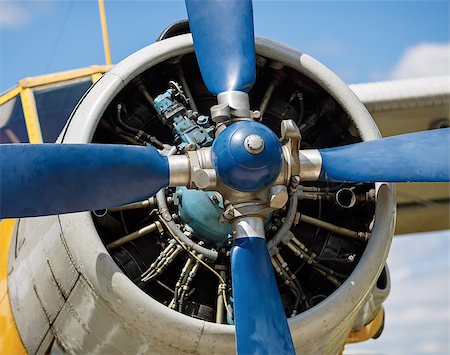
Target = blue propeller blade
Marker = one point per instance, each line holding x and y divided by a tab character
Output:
224	43
46	179
414	157
261	325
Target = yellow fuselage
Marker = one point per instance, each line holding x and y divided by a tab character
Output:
10	342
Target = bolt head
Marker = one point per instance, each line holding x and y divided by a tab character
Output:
278	196
254	144
204	178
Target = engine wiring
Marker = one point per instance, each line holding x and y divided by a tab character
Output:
138	134
314	242
222	281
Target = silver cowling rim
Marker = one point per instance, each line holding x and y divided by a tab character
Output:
151	322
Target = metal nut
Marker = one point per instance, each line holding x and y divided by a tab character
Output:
254	144
278	196
204	178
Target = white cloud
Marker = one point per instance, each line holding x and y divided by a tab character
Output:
425	59
429	347
12	14
16	14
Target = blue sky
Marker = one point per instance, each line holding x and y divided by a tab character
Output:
361	41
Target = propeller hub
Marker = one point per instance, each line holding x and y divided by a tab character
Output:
247	156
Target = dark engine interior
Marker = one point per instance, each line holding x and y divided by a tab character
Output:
309	263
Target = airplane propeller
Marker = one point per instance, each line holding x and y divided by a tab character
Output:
48	179
224	43
414	157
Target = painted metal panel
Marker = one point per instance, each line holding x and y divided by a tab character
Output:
29	315
46	343
111	307
41	278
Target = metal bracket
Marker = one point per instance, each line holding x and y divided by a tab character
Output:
203	176
277	198
231	104
291	133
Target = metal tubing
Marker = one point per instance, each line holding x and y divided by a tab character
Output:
132	206
132	236
276	267
266	98
151	202
179	169
315	196
280	270
165	286
330	278
220	305
285	228
186	286
345	198
168	221
186	269
277	77
301	245
160	257
295	284
324	271
186	89
330	227
163	263
146	94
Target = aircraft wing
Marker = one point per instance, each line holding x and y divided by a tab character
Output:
413	105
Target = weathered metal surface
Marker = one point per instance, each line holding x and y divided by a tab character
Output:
93	307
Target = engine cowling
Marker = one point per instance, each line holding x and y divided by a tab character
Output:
93	295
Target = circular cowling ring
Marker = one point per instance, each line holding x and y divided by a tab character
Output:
140	313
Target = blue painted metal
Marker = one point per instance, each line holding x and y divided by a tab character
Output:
48	179
185	130
164	104
224	43
261	325
413	157
201	213
238	168
196	209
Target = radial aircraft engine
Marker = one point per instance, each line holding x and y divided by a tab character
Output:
238	196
